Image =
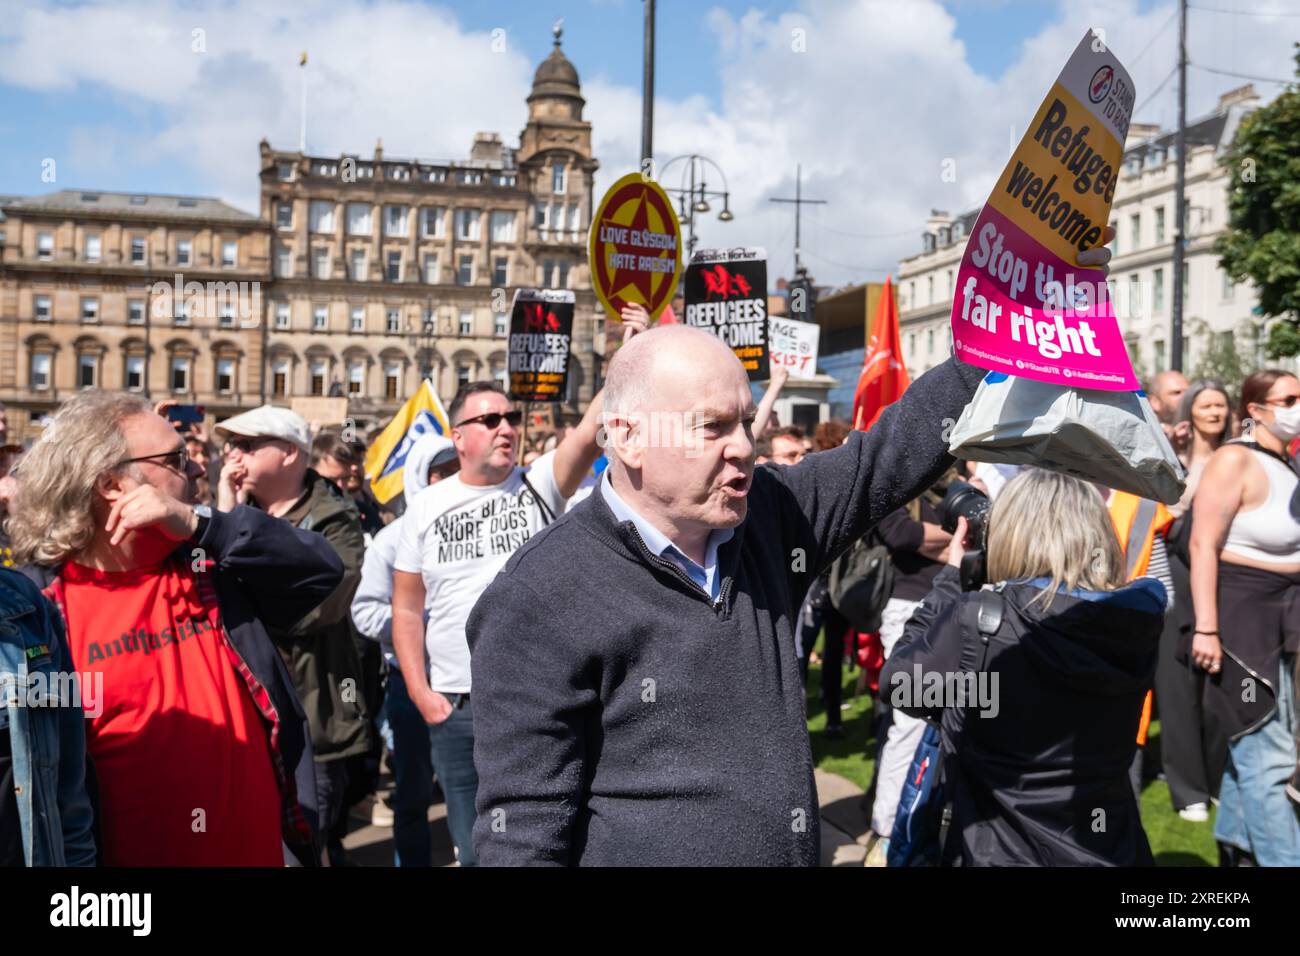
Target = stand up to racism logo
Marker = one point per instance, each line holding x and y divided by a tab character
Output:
635	250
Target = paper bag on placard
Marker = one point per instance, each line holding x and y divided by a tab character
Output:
1112	438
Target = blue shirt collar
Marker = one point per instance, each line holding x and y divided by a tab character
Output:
662	546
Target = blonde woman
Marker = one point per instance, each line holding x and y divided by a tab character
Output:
1039	735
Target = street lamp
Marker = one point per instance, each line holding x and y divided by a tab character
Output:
693	194
424	341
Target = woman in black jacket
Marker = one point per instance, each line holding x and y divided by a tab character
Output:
1039	734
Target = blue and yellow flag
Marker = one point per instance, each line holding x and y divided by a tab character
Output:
422	413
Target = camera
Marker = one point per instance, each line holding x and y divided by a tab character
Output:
964	500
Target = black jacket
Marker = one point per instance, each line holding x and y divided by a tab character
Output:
621	718
1042	780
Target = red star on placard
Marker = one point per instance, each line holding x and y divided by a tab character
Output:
638	279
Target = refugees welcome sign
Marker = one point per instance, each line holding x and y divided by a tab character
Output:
1022	305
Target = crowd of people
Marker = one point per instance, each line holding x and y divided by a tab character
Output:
600	656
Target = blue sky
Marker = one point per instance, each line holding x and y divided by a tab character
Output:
886	90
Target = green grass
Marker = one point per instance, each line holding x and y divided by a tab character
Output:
1174	842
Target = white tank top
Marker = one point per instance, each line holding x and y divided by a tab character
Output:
1269	533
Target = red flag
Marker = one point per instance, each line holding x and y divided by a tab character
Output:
668	316
884	377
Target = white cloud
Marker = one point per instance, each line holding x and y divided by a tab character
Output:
871	98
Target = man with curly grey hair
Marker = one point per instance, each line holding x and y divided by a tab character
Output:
201	752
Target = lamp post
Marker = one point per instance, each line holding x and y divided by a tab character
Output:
693	194
424	341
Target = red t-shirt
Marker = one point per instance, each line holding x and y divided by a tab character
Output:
180	750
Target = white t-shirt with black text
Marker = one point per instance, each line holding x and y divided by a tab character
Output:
457	537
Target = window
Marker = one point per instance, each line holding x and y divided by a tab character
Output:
539	215
500	271
431	270
180	380
559	179
87	367
321	263
929	342
500	325
1114	243
1229	287
466	323
1160	225
282	315
280	378
137	249
1160	355
358	320
181	312
284	263
467	223
92	248
557	216
573	217
395	220
45	245
465	270
393	268
41	308
471	177
358	265
548	270
503	226
134	373
399	172
284	170
89	309
225	375
359	214
1135	308
1134	232
562	280
929	282
284	215
226	316
182	252
135	311
356	377
228	254
41	370
911	344
431	222
394	320
1187	281
321	216
392	380
318	377
462	376
1158	289
319	318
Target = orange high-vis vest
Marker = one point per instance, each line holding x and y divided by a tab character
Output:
1137	522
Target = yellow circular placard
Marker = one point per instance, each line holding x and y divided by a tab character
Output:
635	247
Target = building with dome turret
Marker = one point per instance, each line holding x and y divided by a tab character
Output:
357	276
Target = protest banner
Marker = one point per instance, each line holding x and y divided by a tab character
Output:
323	411
635	247
541	333
1021	305
726	294
792	345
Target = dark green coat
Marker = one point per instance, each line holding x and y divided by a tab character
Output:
319	650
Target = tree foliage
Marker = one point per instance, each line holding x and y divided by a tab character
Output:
1262	242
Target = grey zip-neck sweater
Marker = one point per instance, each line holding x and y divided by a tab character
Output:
622	718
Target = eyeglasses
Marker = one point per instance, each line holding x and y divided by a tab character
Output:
246	446
492	419
176	460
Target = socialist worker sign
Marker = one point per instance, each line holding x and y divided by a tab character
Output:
726	294
635	249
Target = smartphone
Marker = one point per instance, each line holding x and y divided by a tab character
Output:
185	414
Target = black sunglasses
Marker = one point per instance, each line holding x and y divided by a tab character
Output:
175	460
493	419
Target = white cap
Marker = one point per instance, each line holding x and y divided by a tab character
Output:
268	421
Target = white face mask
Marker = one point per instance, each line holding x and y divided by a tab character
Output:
1286	422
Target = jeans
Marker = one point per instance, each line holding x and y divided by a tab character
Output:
453	760
412	775
1255	813
331	781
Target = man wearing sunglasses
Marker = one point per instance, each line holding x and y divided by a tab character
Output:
200	750
455	537
268	451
